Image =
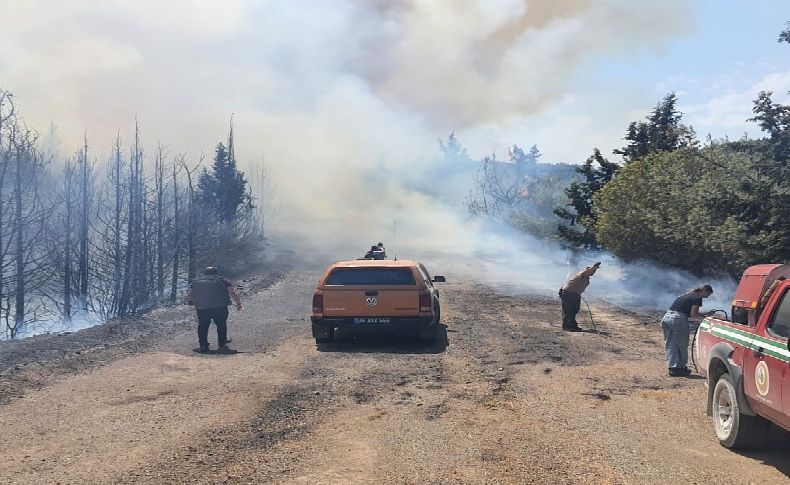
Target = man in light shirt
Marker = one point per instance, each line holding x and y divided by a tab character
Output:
571	297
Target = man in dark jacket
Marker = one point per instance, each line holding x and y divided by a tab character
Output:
211	294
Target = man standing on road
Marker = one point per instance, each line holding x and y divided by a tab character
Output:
571	297
211	294
675	325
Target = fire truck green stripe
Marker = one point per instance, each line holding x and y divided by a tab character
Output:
771	342
732	336
766	342
748	340
750	344
777	355
746	334
744	338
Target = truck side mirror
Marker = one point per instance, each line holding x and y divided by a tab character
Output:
439	279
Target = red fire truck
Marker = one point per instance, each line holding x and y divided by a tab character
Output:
746	359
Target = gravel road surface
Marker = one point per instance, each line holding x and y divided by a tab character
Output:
503	396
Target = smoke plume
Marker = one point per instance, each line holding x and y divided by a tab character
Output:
345	99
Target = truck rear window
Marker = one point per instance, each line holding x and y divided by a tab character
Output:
370	276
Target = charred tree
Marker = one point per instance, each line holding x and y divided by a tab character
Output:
19	291
86	188
497	189
129	285
67	276
191	230
138	221
159	182
28	220
117	258
7	117
175	237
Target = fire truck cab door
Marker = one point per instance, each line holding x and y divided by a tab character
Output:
766	363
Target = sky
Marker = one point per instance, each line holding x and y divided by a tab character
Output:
717	55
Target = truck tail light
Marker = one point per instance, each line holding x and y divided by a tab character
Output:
425	303
318	303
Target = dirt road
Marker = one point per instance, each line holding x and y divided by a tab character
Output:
503	397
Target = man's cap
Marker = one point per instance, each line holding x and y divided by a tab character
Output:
210	270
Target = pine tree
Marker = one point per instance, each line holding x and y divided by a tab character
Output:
580	195
452	148
662	132
784	36
526	163
223	188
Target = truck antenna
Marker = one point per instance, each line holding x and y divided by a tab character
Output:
394	247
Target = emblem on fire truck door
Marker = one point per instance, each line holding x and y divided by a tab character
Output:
371	301
762	379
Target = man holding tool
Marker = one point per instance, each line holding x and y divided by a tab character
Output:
571	297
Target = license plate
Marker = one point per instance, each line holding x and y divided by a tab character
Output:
371	320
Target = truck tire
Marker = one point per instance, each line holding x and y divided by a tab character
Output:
323	334
428	334
734	430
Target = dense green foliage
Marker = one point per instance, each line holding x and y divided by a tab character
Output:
656	208
724	206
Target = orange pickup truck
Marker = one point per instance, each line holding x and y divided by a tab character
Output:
378	294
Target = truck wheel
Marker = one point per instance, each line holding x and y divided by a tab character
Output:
323	334
734	430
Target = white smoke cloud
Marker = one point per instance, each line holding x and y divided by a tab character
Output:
185	65
345	99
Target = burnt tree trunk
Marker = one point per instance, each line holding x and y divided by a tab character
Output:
67	244
6	115
85	188
19	291
117	257
128	300
176	239
191	236
160	202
